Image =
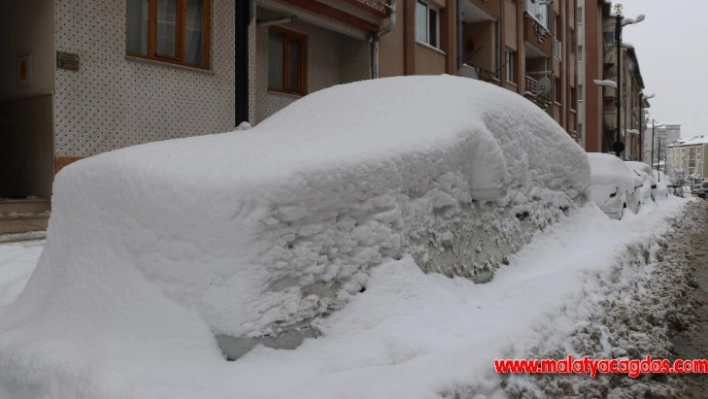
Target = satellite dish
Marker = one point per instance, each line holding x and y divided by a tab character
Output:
543	87
467	71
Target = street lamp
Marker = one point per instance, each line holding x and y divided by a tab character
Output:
621	21
642	98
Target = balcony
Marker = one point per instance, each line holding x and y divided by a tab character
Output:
537	94
537	37
477	72
377	6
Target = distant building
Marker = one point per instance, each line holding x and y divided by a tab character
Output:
661	137
689	158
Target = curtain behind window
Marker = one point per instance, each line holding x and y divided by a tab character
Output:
194	31
138	26
167	28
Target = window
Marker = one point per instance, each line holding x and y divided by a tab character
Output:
426	24
509	60
609	38
581	14
581	93
175	31
287	61
539	11
580	53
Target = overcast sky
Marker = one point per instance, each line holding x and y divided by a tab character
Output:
672	48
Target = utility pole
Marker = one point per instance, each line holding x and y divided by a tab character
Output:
618	146
653	134
641	123
658	154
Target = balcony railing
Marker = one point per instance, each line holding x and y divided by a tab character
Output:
533	87
379	5
537	94
485	74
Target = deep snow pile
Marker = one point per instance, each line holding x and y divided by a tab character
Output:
16	265
629	310
410	335
261	230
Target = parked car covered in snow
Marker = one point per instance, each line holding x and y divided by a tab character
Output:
614	186
257	233
664	184
700	189
648	191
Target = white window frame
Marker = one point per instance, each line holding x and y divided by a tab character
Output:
428	10
509	59
534	10
581	15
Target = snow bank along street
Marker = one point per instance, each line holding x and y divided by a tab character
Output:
395	255
409	335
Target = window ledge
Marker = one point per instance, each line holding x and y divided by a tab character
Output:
283	94
429	47
169	64
512	83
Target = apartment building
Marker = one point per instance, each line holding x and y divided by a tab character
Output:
81	77
592	15
598	104
522	45
688	157
658	139
632	85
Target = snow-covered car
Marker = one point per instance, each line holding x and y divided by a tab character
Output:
648	191
253	235
700	190
614	186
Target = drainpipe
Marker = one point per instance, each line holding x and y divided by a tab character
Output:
374	39
460	38
244	13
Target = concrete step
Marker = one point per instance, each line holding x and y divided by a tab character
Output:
24	223
23	215
28	236
24	206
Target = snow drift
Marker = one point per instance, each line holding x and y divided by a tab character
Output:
260	231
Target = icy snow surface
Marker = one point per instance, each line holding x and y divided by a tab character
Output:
266	228
410	335
153	249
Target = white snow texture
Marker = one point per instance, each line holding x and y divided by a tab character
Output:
251	232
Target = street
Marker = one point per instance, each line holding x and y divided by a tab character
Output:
661	311
692	342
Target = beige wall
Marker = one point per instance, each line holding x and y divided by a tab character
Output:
332	59
481	35
510	28
114	102
391	48
429	61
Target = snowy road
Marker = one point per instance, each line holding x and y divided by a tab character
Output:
586	286
693	342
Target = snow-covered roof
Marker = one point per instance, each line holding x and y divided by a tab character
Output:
698	140
606	169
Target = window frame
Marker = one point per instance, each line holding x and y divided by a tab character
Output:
288	36
180	38
509	67
428	9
